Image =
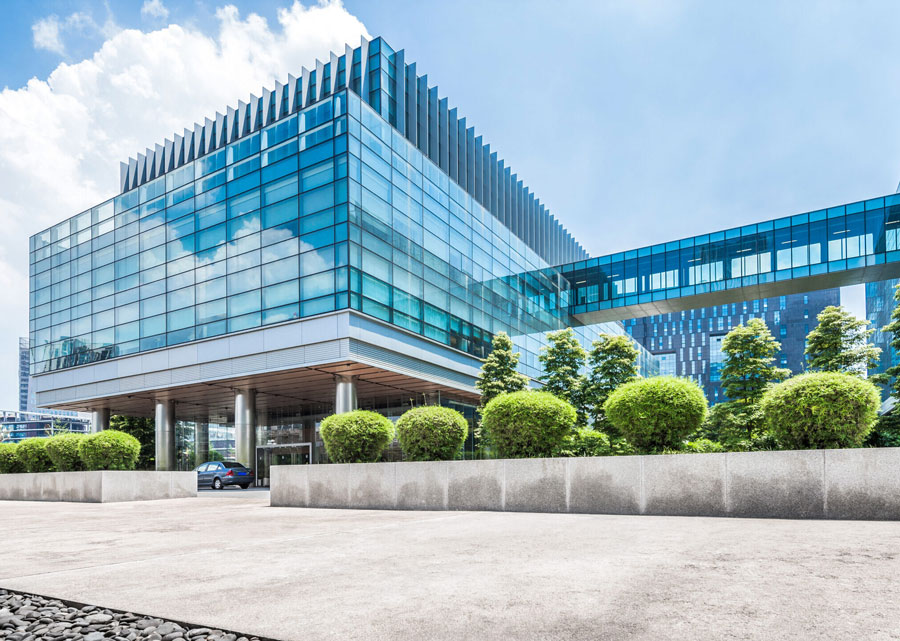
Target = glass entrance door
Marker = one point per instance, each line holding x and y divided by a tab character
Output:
269	455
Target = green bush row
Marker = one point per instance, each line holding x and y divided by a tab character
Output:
425	434
107	450
662	414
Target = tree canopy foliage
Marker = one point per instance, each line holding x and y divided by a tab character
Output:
498	372
563	358
839	343
612	362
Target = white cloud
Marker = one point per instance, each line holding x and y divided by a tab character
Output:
48	33
45	35
61	138
154	9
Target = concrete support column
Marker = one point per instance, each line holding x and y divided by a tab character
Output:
201	442
345	394
99	419
245	427
165	435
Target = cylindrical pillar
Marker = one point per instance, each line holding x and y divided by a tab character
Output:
344	394
201	442
99	419
165	435
245	427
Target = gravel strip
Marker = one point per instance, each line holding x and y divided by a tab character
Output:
29	617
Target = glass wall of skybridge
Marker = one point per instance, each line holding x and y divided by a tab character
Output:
849	244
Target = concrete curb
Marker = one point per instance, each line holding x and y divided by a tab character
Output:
859	484
108	486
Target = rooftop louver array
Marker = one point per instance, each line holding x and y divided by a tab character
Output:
391	87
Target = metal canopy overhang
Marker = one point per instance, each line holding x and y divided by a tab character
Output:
313	387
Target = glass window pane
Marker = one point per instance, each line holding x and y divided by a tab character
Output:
318	285
281	294
284	269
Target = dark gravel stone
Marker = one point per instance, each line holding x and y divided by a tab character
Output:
26	617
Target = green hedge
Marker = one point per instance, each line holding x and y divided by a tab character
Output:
585	442
821	410
63	451
527	424
9	459
32	452
109	450
431	433
356	437
703	446
656	414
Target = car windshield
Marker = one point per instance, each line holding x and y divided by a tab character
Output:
231	465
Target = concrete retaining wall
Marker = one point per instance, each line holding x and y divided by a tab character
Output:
97	487
807	484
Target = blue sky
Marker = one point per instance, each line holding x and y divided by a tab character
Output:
635	122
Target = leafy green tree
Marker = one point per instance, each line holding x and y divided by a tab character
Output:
144	431
891	376
839	343
736	426
498	372
563	358
612	362
886	432
748	370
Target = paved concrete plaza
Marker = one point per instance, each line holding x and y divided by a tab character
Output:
229	560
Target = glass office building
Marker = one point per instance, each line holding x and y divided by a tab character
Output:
345	231
16	426
347	240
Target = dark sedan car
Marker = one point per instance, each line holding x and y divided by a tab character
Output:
218	474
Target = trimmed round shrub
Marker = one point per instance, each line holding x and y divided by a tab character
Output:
821	410
32	452
63	451
9	459
527	424
109	450
431	433
658	413
356	437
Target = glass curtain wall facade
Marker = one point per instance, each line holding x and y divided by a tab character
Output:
216	246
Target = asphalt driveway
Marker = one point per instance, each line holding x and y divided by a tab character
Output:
292	573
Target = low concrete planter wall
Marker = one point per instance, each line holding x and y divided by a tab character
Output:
97	487
806	484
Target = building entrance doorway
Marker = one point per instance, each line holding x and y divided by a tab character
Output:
269	455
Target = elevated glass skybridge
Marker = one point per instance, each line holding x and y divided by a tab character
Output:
835	247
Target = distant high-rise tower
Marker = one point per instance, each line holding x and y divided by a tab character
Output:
689	343
26	397
879	307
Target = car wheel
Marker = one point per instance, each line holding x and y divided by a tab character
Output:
217	484
244	486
